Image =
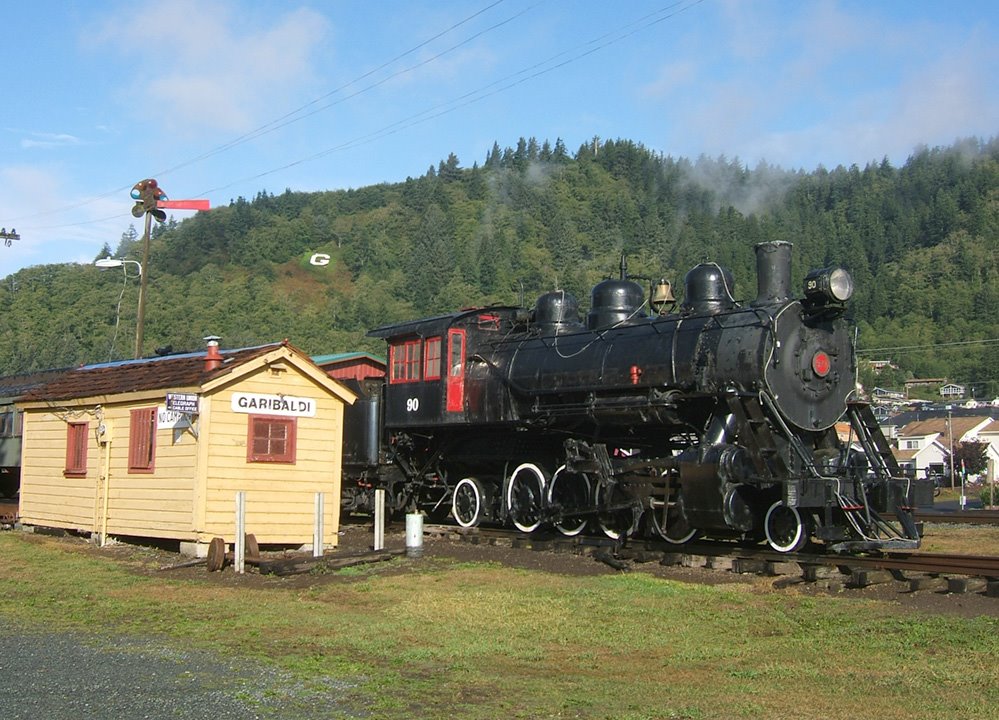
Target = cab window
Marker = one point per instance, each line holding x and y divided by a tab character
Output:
404	362
432	359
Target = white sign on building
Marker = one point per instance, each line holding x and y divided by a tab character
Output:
263	404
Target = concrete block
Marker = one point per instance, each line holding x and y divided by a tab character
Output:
194	549
694	561
863	578
928	582
721	563
783	567
812	573
749	566
962	585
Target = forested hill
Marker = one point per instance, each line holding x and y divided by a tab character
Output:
921	241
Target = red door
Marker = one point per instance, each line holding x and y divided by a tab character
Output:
456	370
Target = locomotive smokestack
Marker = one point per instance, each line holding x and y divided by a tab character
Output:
773	272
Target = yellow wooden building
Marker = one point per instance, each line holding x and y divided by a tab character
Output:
160	447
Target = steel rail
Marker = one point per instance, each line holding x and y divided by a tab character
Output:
963	517
986	566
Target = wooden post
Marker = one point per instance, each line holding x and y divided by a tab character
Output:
239	545
140	318
318	532
379	520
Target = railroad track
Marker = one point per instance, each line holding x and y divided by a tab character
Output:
962	517
921	571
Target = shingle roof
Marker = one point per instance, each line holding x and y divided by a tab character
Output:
14	386
961	426
158	373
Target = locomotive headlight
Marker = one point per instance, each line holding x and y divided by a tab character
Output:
829	284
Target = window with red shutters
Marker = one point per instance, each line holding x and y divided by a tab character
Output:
271	439
142	440
76	449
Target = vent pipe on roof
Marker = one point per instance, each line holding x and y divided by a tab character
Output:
213	358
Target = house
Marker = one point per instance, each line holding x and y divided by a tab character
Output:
924	445
878	365
883	395
990	434
160	447
951	391
351	366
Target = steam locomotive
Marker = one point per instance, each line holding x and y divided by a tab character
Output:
717	417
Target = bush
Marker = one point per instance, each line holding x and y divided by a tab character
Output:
985	493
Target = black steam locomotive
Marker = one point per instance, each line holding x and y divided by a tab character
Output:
715	417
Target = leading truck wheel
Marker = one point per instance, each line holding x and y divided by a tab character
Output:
468	502
787	531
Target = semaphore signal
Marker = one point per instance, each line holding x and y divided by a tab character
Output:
9	237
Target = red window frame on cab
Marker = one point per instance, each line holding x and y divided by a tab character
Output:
404	362
432	358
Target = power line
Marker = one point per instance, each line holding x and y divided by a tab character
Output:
294	116
933	346
555	62
289	118
479	94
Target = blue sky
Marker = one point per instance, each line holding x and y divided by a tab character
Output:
224	99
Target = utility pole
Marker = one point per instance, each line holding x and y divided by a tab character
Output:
140	317
149	201
950	432
147	195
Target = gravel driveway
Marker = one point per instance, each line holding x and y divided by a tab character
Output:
57	675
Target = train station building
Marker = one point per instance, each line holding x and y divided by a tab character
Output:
160	447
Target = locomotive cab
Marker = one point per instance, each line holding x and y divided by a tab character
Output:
432	378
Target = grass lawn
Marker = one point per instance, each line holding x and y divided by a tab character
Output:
448	640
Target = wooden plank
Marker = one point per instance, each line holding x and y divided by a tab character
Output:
304	564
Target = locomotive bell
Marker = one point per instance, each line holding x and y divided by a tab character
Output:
662	295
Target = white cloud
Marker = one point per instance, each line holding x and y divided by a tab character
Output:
49	140
52	218
947	93
205	66
671	77
827	83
